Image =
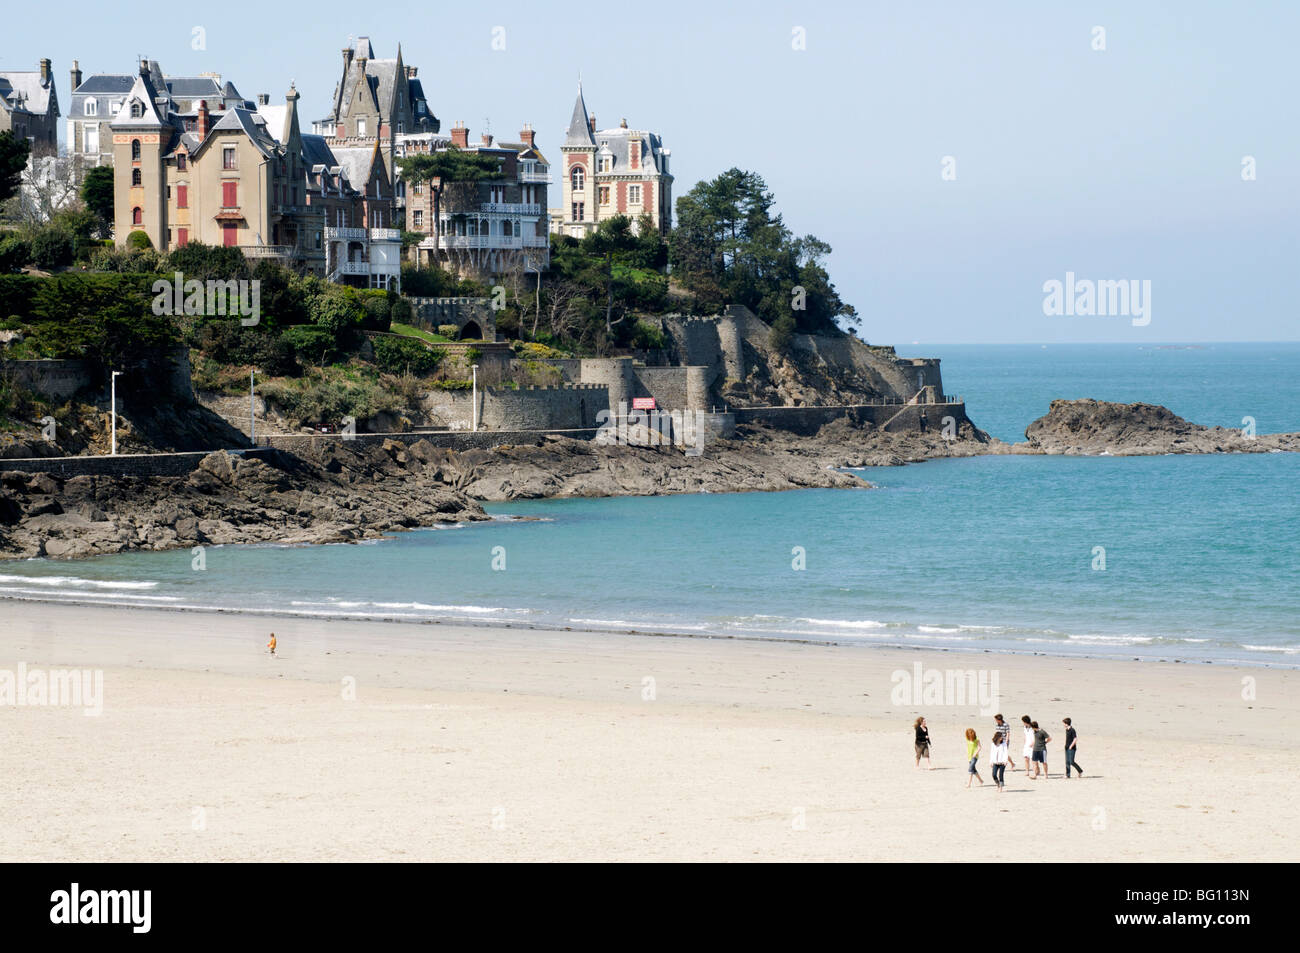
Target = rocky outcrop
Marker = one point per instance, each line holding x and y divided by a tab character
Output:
1091	427
561	467
348	494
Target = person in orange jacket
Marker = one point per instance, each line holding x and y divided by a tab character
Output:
271	645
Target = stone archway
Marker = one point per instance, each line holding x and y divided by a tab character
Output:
471	331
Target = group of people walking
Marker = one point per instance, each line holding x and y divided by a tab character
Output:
1036	740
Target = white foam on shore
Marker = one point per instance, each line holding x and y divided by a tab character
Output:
64	595
846	623
57	581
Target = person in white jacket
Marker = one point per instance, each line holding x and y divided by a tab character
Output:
1000	758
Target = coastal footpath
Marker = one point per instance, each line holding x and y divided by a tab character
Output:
346	491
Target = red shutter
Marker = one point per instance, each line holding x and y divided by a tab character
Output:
230	194
228	235
182	196
182	237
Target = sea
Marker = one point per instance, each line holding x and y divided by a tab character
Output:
1191	558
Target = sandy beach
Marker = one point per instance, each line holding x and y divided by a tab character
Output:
381	741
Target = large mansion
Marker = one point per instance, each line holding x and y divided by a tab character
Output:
246	177
611	172
491	227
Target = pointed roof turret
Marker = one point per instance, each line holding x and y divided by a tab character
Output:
579	133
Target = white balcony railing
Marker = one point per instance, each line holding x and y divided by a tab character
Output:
510	208
537	241
476	241
385	235
543	178
336	234
353	268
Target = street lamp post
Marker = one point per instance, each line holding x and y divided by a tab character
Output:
112	399
252	406
474	368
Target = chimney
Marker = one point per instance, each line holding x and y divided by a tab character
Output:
410	72
202	128
45	72
486	139
76	75
263	99
144	68
527	135
460	135
347	58
591	123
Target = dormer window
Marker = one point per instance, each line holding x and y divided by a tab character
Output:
606	163
91	108
137	109
361	128
180	162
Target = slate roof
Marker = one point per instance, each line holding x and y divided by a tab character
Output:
579	132
252	125
196	87
615	143
357	163
106	83
24	90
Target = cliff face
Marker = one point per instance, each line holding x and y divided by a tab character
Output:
747	371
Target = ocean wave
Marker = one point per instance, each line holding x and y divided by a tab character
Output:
625	623
418	606
847	623
56	581
70	594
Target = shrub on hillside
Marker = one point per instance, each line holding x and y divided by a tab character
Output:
127	261
138	240
14	253
51	248
229	342
378	310
218	262
313	345
398	355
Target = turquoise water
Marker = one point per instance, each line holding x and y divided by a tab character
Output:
1007	386
1202	554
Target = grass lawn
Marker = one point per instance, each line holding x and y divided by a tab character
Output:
412	332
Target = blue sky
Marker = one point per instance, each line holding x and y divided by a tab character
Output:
1123	163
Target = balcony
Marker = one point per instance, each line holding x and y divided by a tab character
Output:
385	235
510	208
352	268
475	241
335	234
541	178
537	241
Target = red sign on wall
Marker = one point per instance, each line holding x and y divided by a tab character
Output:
643	403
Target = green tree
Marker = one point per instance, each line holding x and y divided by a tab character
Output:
97	193
729	246
451	175
13	159
612	237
